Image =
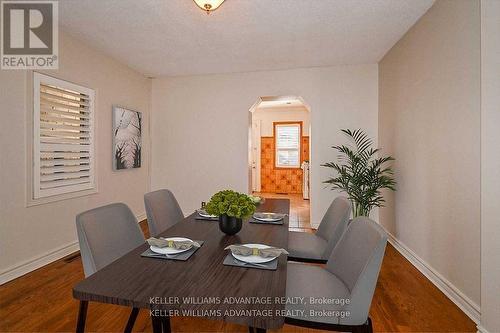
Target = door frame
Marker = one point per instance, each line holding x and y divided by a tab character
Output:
256	148
250	120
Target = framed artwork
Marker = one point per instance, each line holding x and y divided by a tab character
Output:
127	138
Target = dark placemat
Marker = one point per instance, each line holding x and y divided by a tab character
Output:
280	222
232	261
181	256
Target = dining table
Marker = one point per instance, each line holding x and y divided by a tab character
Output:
201	286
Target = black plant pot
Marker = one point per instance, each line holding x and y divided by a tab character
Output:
229	225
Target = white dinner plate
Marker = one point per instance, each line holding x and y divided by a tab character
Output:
203	213
254	259
268	217
170	250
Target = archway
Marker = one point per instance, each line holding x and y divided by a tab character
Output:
279	153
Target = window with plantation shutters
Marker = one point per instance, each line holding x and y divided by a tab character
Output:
287	142
63	156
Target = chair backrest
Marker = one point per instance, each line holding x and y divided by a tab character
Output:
163	211
356	260
334	223
105	234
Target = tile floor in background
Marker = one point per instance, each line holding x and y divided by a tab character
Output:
299	219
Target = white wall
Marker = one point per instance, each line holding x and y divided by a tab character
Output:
429	120
200	126
490	165
268	116
48	230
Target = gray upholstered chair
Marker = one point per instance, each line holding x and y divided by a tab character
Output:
349	279
163	211
307	247
106	234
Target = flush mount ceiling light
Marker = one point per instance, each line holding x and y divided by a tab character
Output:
209	5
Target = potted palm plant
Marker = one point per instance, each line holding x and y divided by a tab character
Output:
361	173
231	207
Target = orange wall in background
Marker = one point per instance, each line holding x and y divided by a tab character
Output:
278	180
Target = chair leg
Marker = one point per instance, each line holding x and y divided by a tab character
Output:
156	321
369	328
161	324
256	330
131	320
82	316
165	323
365	328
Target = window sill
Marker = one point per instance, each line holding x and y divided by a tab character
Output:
55	198
287	168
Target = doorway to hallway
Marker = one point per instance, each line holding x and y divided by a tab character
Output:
279	154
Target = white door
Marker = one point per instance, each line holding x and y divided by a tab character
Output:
256	155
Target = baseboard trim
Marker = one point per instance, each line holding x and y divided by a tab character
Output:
28	266
481	329
470	308
141	217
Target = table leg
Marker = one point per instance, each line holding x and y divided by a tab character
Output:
131	320
165	323
82	315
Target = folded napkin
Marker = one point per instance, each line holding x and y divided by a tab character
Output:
178	245
253	251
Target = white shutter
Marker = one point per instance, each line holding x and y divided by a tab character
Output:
63	156
287	138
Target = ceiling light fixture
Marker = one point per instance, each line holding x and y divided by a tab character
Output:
208	5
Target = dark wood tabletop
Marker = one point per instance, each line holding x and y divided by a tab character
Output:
150	283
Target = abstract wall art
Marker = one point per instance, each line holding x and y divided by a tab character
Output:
127	138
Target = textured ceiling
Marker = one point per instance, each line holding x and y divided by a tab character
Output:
174	37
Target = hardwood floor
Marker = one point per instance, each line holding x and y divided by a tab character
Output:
41	301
